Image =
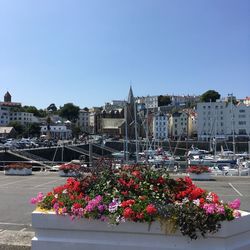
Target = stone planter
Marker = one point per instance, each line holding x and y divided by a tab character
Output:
55	232
68	173
22	171
203	176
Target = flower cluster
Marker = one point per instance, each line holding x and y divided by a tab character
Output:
139	194
198	169
18	165
67	167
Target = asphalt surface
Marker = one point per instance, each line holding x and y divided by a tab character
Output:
16	192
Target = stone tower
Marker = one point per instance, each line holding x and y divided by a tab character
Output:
7	97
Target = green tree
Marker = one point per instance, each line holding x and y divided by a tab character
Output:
32	130
52	107
18	127
76	130
164	100
69	111
210	96
34	110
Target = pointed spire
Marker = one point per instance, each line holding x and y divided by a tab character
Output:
130	95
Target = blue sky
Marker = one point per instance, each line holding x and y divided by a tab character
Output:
89	52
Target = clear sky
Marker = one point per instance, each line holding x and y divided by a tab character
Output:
89	52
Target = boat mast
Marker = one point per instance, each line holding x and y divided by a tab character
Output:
136	134
126	134
232	113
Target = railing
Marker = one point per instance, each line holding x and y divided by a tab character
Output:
27	155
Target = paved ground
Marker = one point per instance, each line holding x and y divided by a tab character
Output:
16	191
15	194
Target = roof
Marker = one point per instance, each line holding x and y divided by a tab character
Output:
6	130
11	104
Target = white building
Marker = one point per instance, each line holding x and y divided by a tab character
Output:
151	102
23	117
57	132
222	119
160	126
7	115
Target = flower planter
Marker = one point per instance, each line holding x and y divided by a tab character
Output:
67	173
55	232
13	171
202	176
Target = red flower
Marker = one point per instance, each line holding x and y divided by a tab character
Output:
196	193
125	193
77	205
128	203
128	213
202	200
136	173
215	197
150	209
140	216
161	180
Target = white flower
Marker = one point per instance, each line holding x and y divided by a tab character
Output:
185	200
196	202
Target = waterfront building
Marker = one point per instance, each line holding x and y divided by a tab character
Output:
178	125
160	126
192	124
222	119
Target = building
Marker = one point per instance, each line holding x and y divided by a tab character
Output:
58	132
7	132
151	102
83	120
192	124
211	119
113	126
11	111
184	100
160	126
222	120
94	120
178	125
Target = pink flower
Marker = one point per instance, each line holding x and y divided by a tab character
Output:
37	199
220	209
209	208
234	204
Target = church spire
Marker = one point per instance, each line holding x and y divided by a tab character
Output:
130	95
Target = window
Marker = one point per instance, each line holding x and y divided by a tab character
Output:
242	123
242	110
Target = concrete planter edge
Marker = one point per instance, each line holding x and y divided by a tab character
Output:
56	232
